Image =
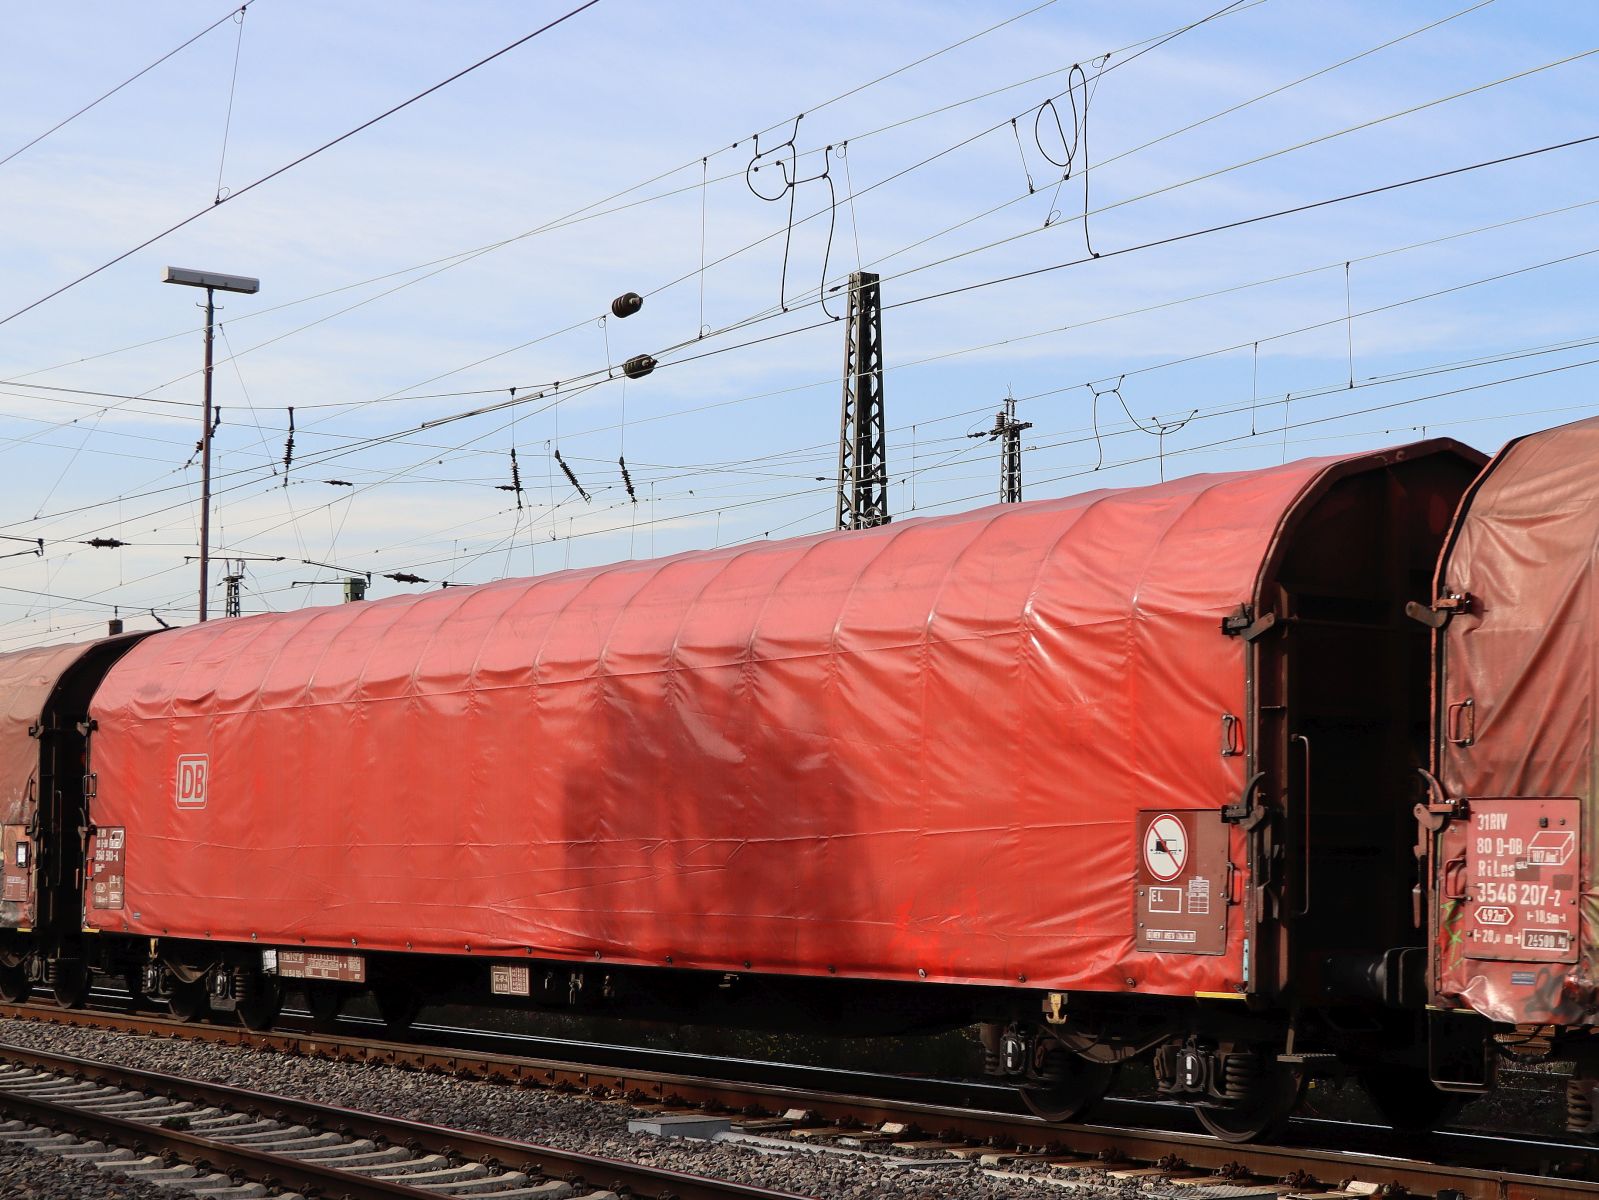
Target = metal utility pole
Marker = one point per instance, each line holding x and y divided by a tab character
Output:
212	282
863	441
1008	431
205	454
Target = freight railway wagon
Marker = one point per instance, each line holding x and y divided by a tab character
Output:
1509	823
1129	774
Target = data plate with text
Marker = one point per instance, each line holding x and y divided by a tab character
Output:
1523	877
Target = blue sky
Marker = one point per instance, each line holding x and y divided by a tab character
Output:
541	155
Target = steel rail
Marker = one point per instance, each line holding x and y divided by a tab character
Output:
261	1166
297	1175
1480	1168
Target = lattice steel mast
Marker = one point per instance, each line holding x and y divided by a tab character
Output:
1009	432
863	440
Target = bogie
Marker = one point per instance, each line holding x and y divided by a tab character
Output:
15	986
1240	1092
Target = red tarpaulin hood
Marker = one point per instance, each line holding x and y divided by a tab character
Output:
911	752
27	680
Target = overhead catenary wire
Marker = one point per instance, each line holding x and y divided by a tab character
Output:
394	437
1150	44
1162	453
1450	392
820	293
1146	45
656	178
1134	425
1219	171
1406	402
140	74
289	166
233	86
830	381
1171	239
408	393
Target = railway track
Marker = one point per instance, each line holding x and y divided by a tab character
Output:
204	1137
1323	1158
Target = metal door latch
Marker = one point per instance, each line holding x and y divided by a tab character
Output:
1437	614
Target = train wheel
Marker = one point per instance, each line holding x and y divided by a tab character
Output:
1406	1099
324	1004
70	983
188	1001
398	1005
14	985
260	1000
1084	1085
1267	1091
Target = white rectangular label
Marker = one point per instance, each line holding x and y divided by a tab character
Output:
1173	936
506	980
1543	939
1165	900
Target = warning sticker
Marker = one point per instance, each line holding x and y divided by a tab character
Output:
1165	847
107	869
1182	882
1521	886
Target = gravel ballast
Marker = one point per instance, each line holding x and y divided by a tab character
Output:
537	1115
31	1175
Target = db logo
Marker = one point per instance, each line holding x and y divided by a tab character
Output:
194	773
1494	914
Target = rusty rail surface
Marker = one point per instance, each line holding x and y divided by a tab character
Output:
1468	1166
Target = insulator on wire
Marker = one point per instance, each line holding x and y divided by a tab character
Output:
627	480
338	482
288	449
105	543
626	304
572	479
639	366
407	577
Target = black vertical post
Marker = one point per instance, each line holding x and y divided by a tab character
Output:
205	460
863	439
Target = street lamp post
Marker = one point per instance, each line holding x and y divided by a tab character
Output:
212	282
